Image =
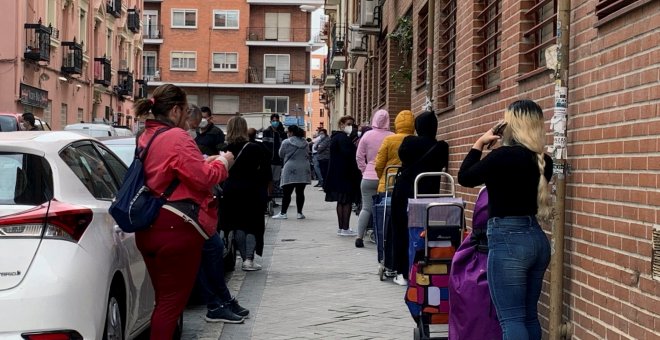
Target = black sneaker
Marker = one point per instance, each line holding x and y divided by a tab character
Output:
237	309
224	314
359	243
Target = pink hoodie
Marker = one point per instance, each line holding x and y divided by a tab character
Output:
370	144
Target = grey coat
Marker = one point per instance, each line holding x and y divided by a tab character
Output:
295	154
323	149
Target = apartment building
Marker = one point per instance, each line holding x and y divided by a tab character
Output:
488	53
319	117
234	56
69	61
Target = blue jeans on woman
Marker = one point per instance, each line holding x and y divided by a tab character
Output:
211	275
518	255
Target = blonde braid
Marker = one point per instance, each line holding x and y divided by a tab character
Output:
543	198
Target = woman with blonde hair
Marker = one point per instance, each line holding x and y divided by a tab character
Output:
516	175
243	199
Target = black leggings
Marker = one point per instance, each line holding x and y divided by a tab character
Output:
300	196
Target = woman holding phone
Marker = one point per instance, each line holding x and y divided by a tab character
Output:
516	175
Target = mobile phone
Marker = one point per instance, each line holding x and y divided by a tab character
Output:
498	130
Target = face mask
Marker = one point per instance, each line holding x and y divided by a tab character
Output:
275	124
204	123
359	133
348	129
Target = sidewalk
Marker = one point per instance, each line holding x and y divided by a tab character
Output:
314	285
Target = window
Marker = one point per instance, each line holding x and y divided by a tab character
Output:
489	49
183	61
278	26
543	17
108	45
276	68
276	104
225	19
51	5
149	66
150	25
448	54
225	61
25	179
192	99
63	114
360	94
316	64
83	29
115	164
383	79
608	10
80	115
321	112
422	44
225	104
87	165
48	112
184	18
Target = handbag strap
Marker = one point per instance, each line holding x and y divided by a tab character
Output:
142	155
419	161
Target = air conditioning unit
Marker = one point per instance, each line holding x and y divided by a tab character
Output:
357	40
367	12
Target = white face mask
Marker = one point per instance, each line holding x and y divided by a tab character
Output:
348	129
204	123
359	133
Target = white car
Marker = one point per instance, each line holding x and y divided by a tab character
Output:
66	269
94	130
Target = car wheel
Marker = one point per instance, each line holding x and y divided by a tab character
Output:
178	332
114	325
229	259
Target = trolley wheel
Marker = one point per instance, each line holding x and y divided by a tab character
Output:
417	334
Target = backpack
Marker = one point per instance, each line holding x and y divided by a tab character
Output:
136	207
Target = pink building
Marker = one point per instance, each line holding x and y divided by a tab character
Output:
68	61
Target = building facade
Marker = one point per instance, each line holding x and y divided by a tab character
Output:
69	61
237	56
488	53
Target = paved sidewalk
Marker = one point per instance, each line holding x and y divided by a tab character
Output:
314	285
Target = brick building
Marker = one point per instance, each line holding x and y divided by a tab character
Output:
488	53
235	56
71	61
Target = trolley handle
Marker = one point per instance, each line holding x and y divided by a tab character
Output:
390	176
440	175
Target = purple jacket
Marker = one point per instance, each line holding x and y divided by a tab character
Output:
370	144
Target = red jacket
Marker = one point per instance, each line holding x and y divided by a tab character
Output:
175	154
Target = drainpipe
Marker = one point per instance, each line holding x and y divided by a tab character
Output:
429	55
557	328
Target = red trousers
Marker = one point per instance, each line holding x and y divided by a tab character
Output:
172	251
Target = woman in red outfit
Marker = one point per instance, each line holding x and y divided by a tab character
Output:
172	247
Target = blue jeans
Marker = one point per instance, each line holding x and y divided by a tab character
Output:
317	169
211	275
518	255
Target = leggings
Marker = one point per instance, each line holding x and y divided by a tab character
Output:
300	196
368	188
246	244
172	252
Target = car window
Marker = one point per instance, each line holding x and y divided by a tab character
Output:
125	152
86	163
24	179
116	166
8	123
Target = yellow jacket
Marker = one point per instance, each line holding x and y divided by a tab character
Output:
388	154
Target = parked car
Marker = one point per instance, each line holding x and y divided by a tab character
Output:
125	149
93	130
12	122
123	131
67	271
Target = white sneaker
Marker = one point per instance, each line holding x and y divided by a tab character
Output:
348	232
279	216
400	280
249	266
339	232
300	217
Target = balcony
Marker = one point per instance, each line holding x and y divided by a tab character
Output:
358	42
141	91
152	34
37	42
370	17
280	36
151	74
133	21
272	76
124	86
102	71
316	3
330	81
72	57
113	7
337	54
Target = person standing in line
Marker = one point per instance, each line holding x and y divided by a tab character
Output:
315	160
516	175
367	150
323	154
342	181
243	193
272	138
252	136
172	247
388	154
210	138
296	173
421	153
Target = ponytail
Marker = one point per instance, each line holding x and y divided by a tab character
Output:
543	199
163	99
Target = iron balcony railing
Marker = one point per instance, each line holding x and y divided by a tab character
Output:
278	34
113	7
72	57
151	74
152	31
102	71
133	20
37	42
271	75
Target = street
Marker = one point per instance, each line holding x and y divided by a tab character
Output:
314	285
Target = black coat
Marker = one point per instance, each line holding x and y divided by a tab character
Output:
211	141
343	174
244	191
272	139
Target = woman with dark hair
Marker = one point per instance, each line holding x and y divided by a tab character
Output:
172	247
342	184
516	175
296	173
243	192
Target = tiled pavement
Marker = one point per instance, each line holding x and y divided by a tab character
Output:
314	285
